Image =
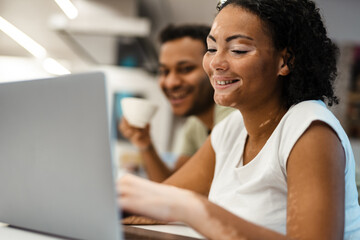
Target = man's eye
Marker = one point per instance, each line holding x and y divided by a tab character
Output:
186	69
163	72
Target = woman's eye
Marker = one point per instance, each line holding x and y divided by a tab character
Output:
239	51
211	50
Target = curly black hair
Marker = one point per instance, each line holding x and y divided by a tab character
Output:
194	31
297	26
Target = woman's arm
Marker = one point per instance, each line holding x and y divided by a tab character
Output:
197	173
156	169
169	203
316	185
315	196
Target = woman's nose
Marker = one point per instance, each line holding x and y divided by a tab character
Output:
219	61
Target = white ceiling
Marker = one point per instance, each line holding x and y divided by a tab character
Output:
33	17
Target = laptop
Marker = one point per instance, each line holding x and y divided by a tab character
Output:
56	173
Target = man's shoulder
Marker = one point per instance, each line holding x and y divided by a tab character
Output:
221	112
192	123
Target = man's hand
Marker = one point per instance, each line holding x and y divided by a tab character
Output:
140	137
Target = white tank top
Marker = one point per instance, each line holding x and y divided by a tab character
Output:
257	191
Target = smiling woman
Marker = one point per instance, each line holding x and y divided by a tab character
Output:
281	167
241	54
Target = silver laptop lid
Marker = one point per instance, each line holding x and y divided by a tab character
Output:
55	157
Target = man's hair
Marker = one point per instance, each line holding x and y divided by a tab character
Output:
296	25
172	32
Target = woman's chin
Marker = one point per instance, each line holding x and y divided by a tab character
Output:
223	101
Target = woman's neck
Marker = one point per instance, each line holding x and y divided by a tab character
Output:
260	124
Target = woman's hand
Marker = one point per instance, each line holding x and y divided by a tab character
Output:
168	204
154	200
140	220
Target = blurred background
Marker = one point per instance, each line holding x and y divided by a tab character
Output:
45	38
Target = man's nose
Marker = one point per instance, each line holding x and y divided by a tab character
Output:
172	80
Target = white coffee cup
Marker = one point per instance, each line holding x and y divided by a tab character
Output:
138	111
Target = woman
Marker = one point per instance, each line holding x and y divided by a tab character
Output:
281	167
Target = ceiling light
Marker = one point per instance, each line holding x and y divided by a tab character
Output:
21	38
54	67
68	8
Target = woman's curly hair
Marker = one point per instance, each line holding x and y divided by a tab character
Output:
297	26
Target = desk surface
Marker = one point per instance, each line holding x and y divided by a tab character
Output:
133	232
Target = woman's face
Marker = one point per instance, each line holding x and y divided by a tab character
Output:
241	62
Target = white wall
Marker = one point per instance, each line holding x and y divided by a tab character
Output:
342	18
19	68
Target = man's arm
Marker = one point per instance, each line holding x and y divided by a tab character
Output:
140	137
155	168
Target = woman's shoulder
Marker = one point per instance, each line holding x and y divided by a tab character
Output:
306	112
299	118
309	105
293	125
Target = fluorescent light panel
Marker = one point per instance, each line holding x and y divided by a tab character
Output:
68	8
49	64
54	67
21	38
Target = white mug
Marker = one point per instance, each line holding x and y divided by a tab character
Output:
138	111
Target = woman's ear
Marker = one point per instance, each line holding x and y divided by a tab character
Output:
284	61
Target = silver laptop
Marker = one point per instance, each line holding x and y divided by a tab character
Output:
55	157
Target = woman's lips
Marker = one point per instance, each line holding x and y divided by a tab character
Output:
225	82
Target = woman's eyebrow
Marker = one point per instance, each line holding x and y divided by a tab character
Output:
228	39
211	37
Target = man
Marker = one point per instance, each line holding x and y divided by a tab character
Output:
188	89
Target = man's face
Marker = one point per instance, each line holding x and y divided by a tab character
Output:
182	77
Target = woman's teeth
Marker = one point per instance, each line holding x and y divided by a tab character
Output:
226	82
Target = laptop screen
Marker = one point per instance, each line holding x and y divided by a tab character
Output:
56	172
